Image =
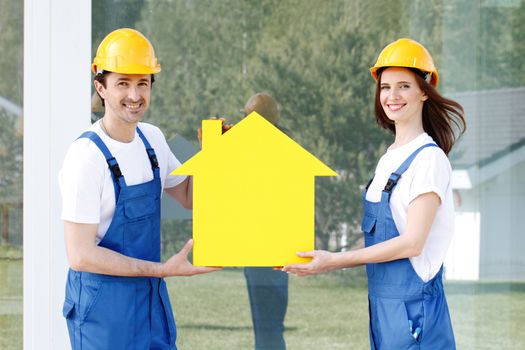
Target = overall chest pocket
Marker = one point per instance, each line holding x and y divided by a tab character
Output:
140	207
368	226
142	228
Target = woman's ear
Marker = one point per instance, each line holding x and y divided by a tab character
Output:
424	97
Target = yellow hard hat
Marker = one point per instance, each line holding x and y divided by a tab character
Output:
125	51
406	53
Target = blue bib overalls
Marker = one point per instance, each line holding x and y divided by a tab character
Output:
404	311
123	313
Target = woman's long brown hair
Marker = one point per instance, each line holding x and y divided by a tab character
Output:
443	119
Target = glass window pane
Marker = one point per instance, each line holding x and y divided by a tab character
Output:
314	58
11	137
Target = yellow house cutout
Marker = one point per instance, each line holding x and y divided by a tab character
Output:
253	195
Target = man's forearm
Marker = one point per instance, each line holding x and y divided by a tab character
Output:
101	260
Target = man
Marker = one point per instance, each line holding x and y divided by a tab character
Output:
267	288
111	182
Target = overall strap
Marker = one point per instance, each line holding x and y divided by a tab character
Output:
369	183
151	154
116	174
396	175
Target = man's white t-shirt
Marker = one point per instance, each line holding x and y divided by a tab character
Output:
430	171
88	194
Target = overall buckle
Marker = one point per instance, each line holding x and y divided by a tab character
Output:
392	182
114	168
152	158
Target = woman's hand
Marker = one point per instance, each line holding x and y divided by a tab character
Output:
322	261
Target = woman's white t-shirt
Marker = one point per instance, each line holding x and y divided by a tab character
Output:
429	172
88	195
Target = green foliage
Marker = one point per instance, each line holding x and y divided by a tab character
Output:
108	15
501	47
202	56
322	82
174	234
11	306
11	45
10	252
11	82
10	158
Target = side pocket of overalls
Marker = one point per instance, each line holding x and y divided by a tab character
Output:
165	300
89	294
373	324
68	310
416	315
368	227
390	324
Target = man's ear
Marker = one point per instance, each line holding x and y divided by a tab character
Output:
100	88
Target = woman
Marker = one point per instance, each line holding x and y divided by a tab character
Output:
408	217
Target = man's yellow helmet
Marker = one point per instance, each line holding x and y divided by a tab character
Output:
125	51
406	53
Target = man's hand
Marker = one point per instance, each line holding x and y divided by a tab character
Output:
179	265
225	127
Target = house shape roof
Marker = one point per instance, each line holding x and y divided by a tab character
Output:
495	138
253	195
495	125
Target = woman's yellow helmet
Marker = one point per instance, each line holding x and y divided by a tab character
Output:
407	53
125	51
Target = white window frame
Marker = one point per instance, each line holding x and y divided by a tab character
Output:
57	54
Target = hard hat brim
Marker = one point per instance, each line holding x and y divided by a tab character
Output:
434	80
129	69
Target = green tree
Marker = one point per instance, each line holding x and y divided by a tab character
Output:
321	79
11	82
202	48
108	15
10	158
11	43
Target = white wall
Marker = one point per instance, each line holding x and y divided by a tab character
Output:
490	225
57	45
503	226
462	260
463	256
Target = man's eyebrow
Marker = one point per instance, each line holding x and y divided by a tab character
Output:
128	79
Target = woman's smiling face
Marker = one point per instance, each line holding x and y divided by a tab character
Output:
400	96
